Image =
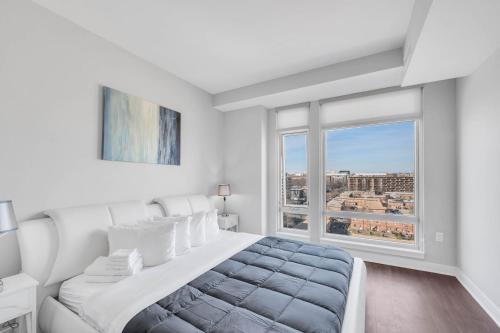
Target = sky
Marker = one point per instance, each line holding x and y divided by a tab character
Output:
367	149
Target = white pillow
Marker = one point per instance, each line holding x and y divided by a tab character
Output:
175	206
156	243
82	238
129	212
182	231
212	225
198	229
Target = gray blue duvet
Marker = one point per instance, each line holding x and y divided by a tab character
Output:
274	285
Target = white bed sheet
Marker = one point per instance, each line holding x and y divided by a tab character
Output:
75	291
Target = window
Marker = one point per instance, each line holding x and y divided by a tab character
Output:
294	181
370	181
349	169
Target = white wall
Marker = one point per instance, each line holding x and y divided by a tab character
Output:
51	72
439	172
479	177
245	165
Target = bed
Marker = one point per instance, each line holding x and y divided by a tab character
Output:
178	291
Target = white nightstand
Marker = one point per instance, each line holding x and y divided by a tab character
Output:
18	298
229	222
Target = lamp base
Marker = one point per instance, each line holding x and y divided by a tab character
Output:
224	212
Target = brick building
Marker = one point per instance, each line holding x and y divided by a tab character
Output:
381	183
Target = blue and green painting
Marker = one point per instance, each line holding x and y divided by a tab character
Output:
136	130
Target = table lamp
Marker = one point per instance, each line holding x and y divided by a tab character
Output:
8	222
224	190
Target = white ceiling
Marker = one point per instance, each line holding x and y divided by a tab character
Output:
219	45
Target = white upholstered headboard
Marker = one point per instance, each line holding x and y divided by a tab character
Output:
38	244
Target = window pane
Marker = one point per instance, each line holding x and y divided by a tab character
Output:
295	221
294	189
371	169
382	230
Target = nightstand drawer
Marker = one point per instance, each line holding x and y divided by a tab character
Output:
16	304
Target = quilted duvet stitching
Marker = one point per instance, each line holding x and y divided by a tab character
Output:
270	243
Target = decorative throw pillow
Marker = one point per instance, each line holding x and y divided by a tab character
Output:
182	231
156	243
198	229
212	225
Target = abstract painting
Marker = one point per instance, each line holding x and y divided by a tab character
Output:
135	130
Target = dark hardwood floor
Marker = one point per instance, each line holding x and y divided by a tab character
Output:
406	301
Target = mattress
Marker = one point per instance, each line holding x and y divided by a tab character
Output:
75	291
274	285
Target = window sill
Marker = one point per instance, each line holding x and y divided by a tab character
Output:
374	248
292	235
357	245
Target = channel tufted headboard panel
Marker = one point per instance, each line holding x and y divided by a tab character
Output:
38	243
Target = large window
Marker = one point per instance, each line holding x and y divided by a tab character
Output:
294	181
349	169
370	181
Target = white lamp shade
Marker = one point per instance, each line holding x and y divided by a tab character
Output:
8	220
223	190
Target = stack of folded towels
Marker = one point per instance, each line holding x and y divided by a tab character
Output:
119	265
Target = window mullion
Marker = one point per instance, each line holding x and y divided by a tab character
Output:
314	173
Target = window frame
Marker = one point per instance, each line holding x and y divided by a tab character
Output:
282	207
415	220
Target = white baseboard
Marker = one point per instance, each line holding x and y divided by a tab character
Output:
484	301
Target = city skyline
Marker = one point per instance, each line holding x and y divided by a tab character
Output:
385	148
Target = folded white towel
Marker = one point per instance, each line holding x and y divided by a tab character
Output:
123	258
100	268
126	266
